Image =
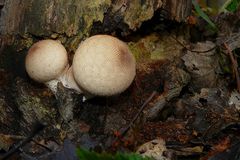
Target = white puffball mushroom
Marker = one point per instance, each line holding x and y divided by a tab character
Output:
103	65
47	62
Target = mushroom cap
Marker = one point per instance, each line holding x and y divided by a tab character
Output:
46	60
103	65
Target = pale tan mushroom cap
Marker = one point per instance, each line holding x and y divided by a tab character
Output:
103	65
46	60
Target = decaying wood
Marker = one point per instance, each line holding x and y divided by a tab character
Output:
77	19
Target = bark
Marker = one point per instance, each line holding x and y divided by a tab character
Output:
77	19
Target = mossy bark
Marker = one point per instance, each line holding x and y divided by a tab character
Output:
76	19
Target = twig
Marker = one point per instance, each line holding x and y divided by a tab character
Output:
42	145
37	128
235	65
204	51
124	131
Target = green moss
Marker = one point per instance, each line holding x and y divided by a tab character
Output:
33	108
138	12
139	51
158	54
156	47
23	43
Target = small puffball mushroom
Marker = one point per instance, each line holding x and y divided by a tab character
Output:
103	65
47	62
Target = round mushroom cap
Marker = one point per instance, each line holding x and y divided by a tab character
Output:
46	60
103	65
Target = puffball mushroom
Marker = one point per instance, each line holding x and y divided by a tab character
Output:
103	65
47	62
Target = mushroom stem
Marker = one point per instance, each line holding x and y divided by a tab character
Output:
67	80
52	85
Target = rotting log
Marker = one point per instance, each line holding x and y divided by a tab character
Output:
75	19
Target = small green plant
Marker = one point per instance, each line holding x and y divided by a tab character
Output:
228	6
203	15
83	154
231	5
